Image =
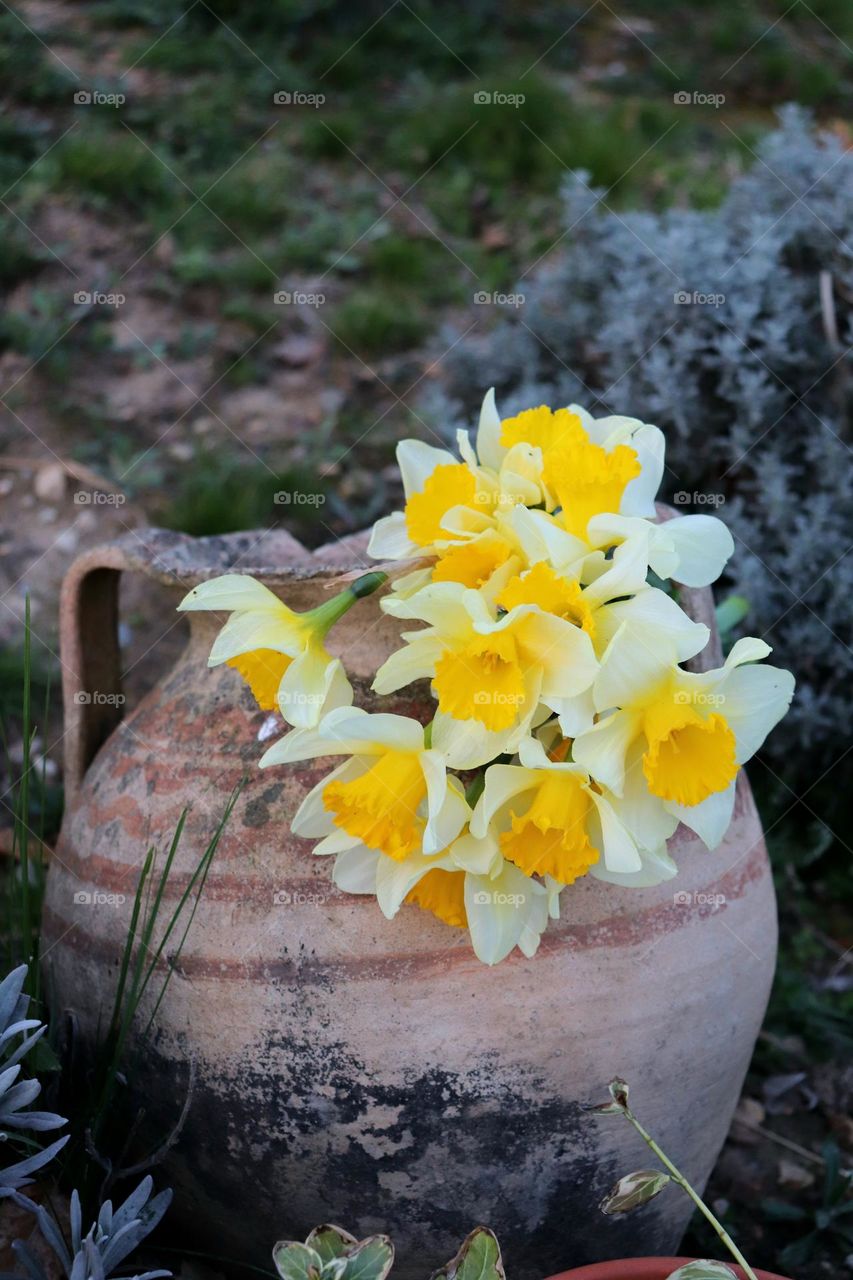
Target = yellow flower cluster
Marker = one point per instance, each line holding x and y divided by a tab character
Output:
567	739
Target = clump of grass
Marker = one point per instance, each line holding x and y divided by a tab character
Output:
217	494
374	322
112	164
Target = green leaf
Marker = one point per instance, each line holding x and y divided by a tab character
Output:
295	1261
703	1270
479	1258
635	1189
330	1242
730	612
371	1259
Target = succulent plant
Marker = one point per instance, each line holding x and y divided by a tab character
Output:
18	1035
108	1241
330	1253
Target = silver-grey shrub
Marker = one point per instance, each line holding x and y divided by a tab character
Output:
750	380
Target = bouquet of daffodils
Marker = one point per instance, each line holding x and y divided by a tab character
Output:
566	739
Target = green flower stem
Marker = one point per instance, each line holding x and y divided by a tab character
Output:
324	617
682	1182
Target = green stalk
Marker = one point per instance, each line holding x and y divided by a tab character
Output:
324	617
682	1182
22	808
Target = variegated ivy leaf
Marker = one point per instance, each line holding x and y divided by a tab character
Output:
371	1259
330	1242
479	1258
295	1261
635	1189
703	1270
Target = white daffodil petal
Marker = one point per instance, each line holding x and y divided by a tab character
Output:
563	651
335	842
313	683
414	661
643	814
395	880
703	545
654	611
756	699
657	867
633	664
639	496
417	461
623	575
619	850
710	819
489	448
503	783
467	744
312	819
389	539
246	632
747	649
355	870
232	592
602	749
479	855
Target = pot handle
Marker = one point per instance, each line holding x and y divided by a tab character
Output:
88	618
89	648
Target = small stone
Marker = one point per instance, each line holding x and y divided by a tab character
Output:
50	482
300	349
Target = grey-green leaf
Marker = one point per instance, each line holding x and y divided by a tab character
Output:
479	1258
635	1189
703	1270
295	1261
330	1242
371	1259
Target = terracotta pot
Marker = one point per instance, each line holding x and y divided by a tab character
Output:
366	1071
643	1269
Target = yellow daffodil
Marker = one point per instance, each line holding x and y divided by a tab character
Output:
393	795
489	676
551	819
468	885
279	653
590	465
688	734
